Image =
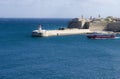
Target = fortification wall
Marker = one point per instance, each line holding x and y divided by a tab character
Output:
75	24
98	26
114	26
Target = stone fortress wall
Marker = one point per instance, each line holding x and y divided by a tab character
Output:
75	23
114	26
79	23
96	24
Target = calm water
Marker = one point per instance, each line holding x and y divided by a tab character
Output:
60	57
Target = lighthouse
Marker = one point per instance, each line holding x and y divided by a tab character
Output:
39	28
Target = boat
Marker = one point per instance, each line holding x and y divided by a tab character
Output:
101	36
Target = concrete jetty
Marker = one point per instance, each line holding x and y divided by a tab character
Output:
46	33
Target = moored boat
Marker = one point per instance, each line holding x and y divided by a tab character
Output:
101	36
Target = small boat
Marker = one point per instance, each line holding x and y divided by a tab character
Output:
101	36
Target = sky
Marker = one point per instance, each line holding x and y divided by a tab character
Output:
58	8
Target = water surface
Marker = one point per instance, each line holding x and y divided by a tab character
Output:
58	57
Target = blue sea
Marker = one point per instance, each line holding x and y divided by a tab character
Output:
57	57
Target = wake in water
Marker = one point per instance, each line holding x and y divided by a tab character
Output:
106	38
117	37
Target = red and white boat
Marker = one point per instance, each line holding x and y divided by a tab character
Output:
101	36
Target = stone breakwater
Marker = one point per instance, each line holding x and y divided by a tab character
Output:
46	33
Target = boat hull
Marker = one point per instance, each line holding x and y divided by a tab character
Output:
101	36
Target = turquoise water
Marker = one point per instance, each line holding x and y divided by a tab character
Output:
60	57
